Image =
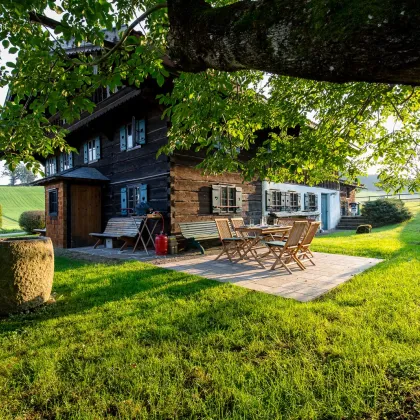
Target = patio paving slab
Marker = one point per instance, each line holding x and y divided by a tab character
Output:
330	271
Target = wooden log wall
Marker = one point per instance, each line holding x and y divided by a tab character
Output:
191	192
128	167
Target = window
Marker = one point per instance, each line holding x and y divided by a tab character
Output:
294	201
129	129
311	201
66	161
133	198
53	202
51	166
132	134
226	199
92	150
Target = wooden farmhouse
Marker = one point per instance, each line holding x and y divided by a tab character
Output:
115	167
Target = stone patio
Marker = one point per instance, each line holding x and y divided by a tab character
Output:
330	271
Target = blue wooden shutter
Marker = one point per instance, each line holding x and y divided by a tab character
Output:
61	162
306	201
124	201
98	147
268	199
85	153
316	201
123	139
216	198
143	193
299	201
47	167
238	201
140	132
71	160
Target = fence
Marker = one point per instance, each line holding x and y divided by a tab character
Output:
404	197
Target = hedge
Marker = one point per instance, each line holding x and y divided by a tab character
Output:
386	212
30	220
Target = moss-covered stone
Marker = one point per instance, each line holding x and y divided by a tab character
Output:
364	229
26	273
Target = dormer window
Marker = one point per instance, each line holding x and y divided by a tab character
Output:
51	166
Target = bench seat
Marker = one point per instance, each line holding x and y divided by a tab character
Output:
194	232
123	228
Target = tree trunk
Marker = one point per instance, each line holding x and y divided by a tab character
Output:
349	40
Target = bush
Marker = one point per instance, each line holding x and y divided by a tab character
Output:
386	212
30	220
1	216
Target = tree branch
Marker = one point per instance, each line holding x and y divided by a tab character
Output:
376	41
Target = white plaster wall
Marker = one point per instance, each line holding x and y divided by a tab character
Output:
333	197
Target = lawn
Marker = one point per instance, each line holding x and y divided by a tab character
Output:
16	200
136	341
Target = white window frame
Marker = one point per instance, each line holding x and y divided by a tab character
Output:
294	200
51	166
91	151
227	199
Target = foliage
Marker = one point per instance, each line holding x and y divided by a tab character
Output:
20	173
16	200
136	341
385	211
218	112
30	220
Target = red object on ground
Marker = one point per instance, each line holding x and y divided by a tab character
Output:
161	244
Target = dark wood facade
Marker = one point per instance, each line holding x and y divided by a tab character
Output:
173	185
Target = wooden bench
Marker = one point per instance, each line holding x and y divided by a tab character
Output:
42	232
194	232
123	228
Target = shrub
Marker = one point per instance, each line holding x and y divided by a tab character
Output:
386	212
1	216
30	220
364	229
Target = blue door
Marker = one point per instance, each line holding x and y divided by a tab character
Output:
325	211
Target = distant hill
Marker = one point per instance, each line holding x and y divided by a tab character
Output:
369	182
16	200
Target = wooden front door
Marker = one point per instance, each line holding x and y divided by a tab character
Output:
85	214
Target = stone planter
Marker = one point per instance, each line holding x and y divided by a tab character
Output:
26	273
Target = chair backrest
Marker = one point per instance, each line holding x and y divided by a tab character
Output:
313	228
122	226
238	222
223	228
295	234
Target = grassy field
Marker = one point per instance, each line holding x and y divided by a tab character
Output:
16	200
136	341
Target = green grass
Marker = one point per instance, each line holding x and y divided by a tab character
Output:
16	200
136	341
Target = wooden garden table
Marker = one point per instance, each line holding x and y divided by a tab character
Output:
154	220
253	235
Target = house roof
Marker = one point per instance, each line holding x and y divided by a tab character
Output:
81	173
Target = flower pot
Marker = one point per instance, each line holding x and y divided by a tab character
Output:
26	273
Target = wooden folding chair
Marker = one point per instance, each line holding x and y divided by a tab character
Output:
284	252
231	245
304	252
238	222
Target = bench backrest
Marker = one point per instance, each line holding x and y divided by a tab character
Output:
199	230
122	226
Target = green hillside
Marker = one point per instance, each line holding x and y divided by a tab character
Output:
16	200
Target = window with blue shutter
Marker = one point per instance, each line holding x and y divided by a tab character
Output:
124	201
71	160
92	150
85	153
61	162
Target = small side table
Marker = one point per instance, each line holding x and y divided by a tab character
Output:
148	224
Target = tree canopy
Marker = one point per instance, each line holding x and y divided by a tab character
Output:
344	72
